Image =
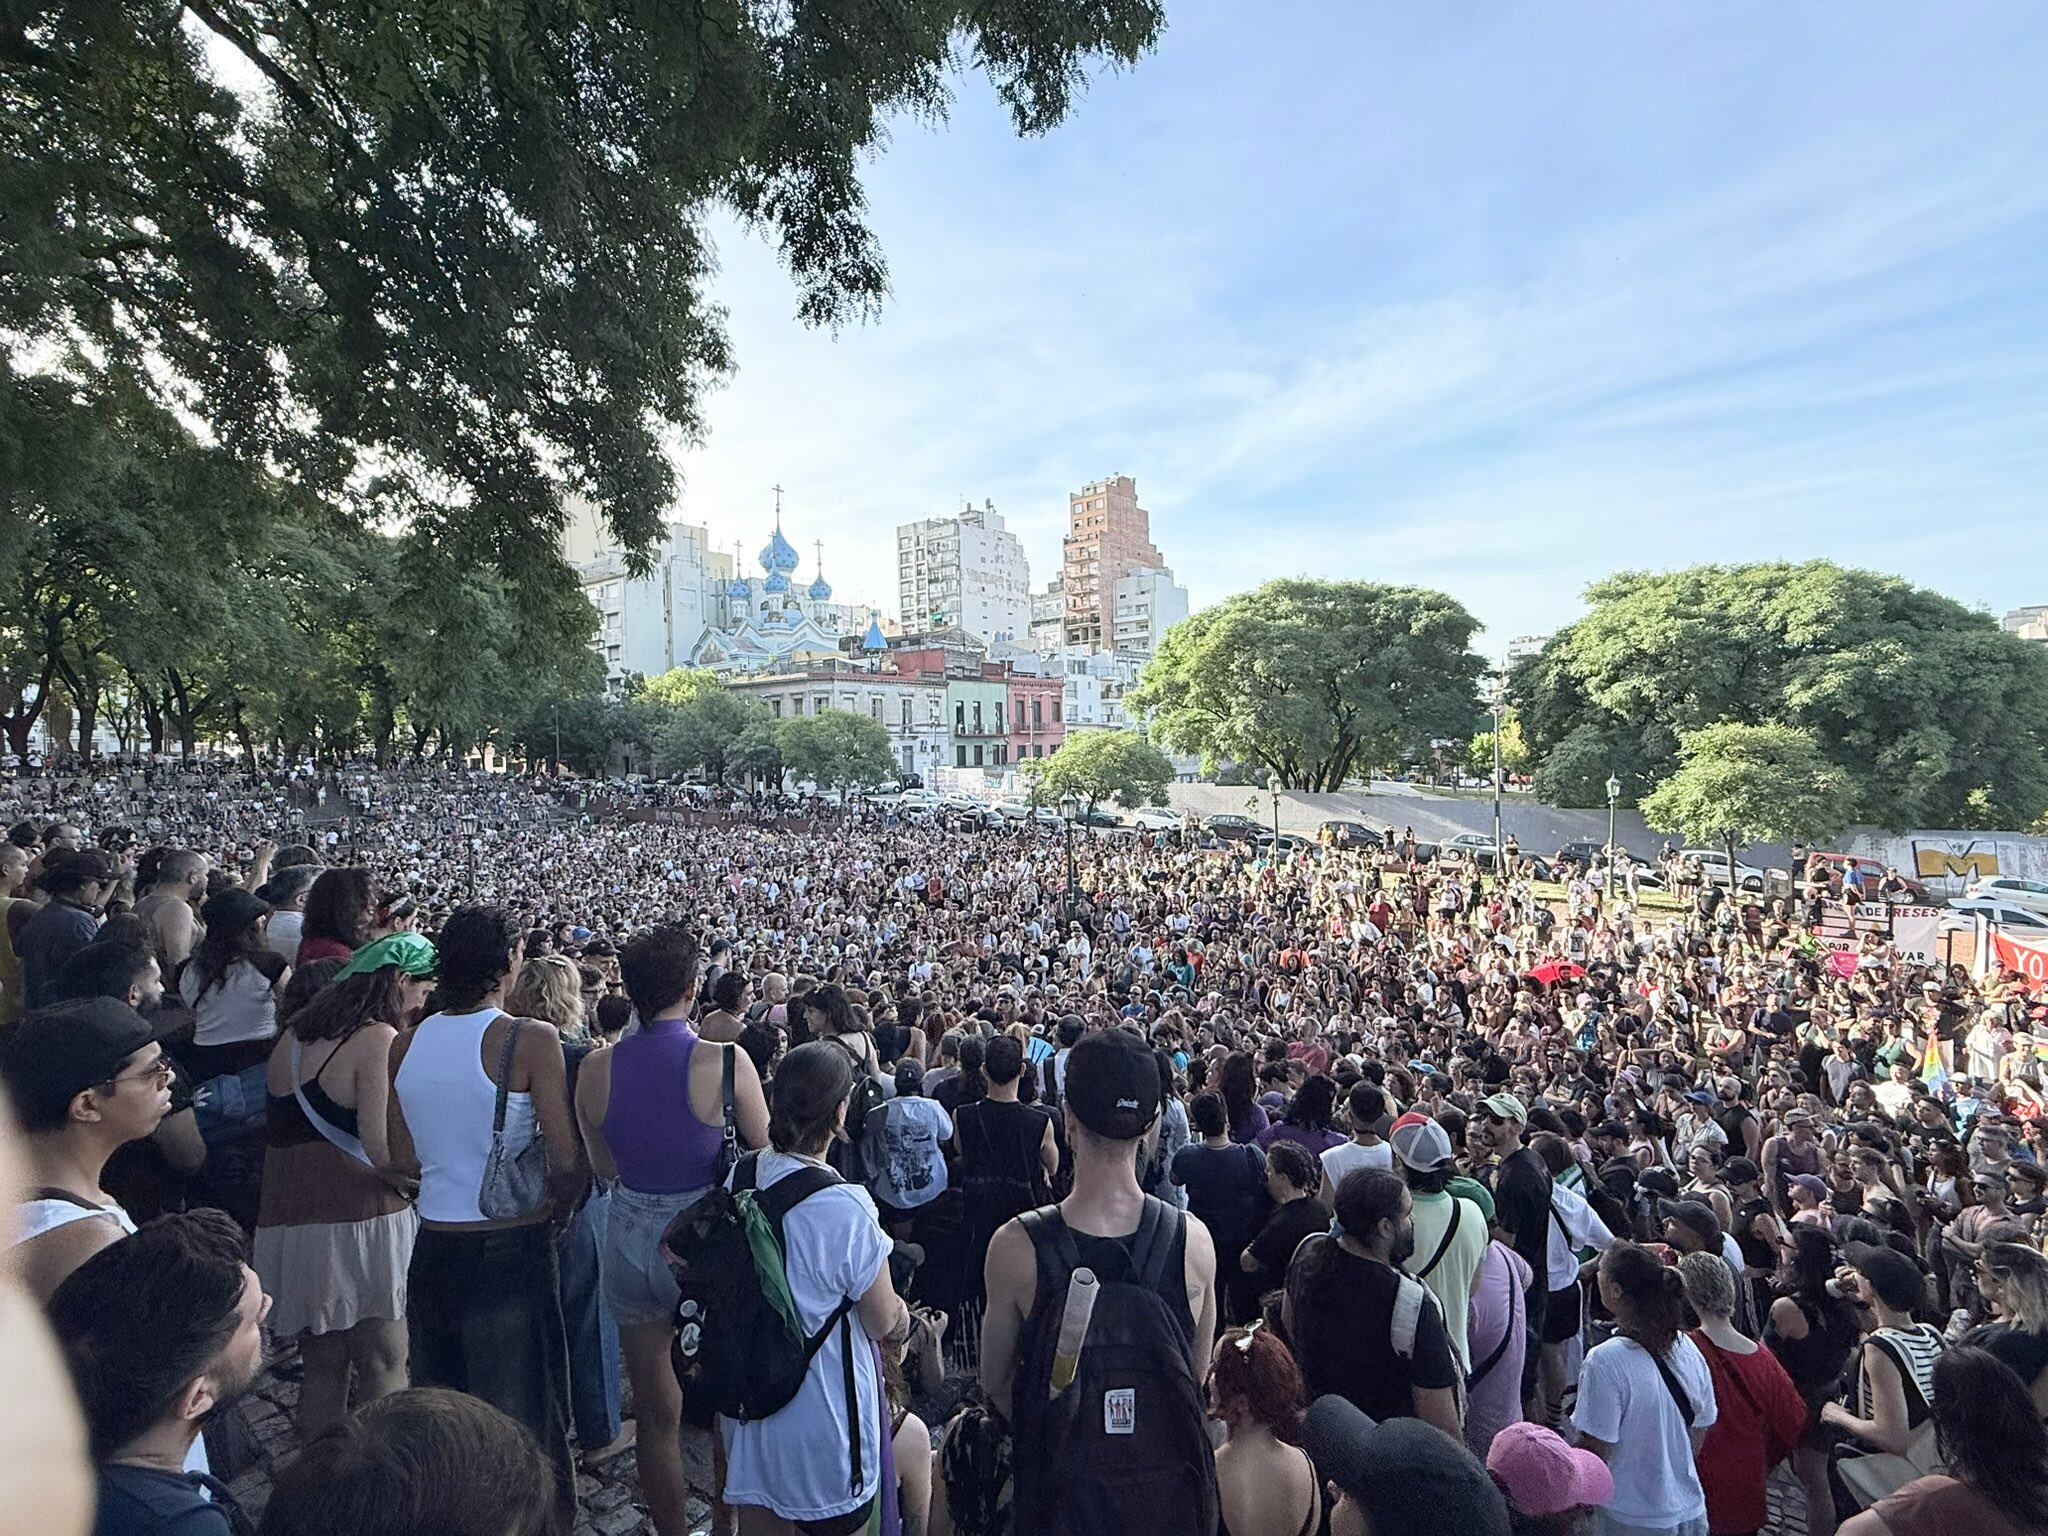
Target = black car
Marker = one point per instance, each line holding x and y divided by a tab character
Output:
1100	817
1347	834
1237	829
1580	853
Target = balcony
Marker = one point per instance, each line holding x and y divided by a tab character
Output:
979	732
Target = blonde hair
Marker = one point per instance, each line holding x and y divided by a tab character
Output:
1708	1284
549	988
2022	1282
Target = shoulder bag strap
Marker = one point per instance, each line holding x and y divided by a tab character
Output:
1509	1334
1685	1409
334	1133
1443	1247
504	1074
725	1093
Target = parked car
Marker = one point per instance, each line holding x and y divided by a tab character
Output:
1237	829
963	803
1347	834
1155	818
1963	911
1714	865
1581	853
1871	871
1011	810
2009	890
1101	816
917	800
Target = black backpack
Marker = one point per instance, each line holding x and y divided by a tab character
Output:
867	1094
1125	1448
740	1348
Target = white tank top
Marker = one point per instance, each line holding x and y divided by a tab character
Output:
448	1100
35	1217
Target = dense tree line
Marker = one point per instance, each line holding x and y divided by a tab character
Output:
1929	713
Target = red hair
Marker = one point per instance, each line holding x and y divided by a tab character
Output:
1253	1368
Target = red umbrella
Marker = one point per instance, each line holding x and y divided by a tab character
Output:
1551	972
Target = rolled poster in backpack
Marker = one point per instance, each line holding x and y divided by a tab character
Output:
1080	1307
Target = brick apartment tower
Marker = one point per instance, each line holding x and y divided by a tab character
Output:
1108	534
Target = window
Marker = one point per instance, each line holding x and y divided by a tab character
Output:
977	719
906	711
960	719
1002	755
1055	711
1020	714
977	757
875	707
960	756
1037	712
796	704
775	708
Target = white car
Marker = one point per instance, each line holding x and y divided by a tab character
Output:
2009	890
962	803
917	802
1011	810
1155	818
1962	912
1714	865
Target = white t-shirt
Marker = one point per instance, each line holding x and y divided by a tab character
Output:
1349	1157
1623	1401
282	935
797	1461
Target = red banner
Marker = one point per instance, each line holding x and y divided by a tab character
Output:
2029	958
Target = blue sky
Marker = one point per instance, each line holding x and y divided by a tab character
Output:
1492	297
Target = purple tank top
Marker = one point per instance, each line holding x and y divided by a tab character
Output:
655	1137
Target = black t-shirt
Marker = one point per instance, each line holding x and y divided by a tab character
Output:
1227	1190
1282	1234
2026	1352
140	1501
1342	1307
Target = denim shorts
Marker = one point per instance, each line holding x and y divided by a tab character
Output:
636	1280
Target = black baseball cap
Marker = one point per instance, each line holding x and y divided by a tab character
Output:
54	1054
1113	1084
1406	1475
1697	1215
1899	1282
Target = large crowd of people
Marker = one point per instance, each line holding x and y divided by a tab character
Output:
853	1171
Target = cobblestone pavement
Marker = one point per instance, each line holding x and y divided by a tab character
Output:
607	1501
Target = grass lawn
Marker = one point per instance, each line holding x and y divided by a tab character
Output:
1652	901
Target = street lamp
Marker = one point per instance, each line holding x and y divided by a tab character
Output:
469	825
1274	790
1499	857
1613	794
1070	814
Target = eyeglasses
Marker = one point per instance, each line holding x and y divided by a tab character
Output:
160	1071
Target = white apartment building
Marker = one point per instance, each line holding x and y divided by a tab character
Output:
1147	603
1095	685
911	709
1049	617
2029	622
649	623
966	571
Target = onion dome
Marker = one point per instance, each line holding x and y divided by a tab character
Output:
874	639
778	556
739	589
775	583
820	590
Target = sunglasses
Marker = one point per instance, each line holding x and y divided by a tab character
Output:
159	1071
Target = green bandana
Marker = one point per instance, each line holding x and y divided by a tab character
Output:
410	952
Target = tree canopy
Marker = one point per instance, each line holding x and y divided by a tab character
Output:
1932	715
1313	679
1750	784
440	267
835	749
1094	766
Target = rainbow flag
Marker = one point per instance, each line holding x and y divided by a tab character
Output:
1932	1073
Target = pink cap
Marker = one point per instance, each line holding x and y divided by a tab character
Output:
1541	1475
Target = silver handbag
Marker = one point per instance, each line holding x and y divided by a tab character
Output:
515	1183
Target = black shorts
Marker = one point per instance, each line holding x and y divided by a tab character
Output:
1561	1315
837	1525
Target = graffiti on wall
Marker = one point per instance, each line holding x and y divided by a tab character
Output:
1953	859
